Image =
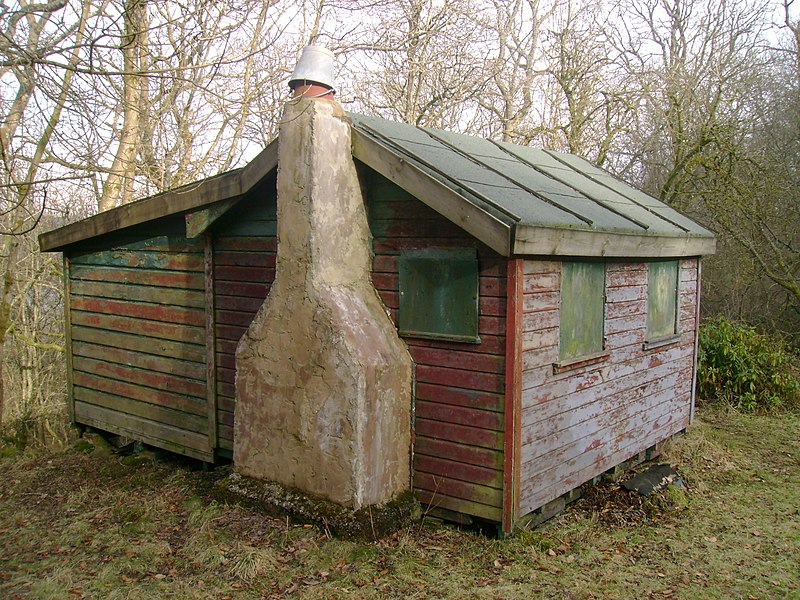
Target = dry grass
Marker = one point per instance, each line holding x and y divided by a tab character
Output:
75	525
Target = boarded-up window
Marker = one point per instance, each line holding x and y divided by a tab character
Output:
662	299
439	294
582	309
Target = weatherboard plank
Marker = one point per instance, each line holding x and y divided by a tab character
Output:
139	343
139	293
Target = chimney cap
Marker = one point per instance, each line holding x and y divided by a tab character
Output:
315	66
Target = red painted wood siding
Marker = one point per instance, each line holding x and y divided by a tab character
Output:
137	311
244	247
459	419
582	422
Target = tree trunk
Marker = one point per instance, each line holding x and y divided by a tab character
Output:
118	187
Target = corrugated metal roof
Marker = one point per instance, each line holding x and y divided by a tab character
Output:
529	186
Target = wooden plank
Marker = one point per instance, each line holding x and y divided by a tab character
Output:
223	243
239	273
172	202
225	361
225	417
225	432
532	240
484	226
139	343
240	303
473	436
513	395
211	342
471	455
545	437
164	436
234	317
463	358
155	380
226	375
141	260
152	312
226	389
171	279
696	339
460	378
139	293
492	286
225	403
437	499
600	460
226	346
233	258
198	221
141	360
156	329
459	396
252	228
153	237
230	332
151	412
458	489
443	467
166	398
258	168
68	337
489	344
242	288
555	394
461	415
412	227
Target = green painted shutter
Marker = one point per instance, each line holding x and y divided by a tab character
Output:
662	299
439	294
582	309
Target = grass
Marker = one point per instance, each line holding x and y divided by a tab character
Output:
74	525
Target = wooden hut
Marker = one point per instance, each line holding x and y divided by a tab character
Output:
550	309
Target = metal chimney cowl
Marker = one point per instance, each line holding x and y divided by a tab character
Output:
316	66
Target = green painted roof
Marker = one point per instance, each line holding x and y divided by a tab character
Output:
526	186
515	199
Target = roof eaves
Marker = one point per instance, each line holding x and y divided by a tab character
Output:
492	226
565	241
185	198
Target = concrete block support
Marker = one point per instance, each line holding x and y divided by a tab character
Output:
323	382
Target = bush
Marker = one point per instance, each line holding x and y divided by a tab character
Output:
746	370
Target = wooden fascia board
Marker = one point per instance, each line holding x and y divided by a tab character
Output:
540	241
221	187
448	203
197	221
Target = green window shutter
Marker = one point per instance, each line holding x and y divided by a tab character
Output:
582	309
439	294
662	299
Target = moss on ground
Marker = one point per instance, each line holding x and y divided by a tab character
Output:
74	525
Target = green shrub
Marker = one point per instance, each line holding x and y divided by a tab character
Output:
747	370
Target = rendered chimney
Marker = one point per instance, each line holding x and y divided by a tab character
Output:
323	382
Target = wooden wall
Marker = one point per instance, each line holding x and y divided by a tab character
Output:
582	422
459	420
136	306
244	247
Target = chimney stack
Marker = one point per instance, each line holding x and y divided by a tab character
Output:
323	382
